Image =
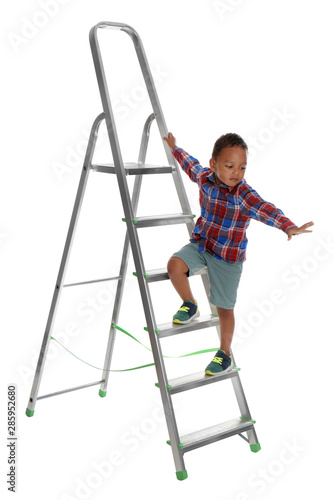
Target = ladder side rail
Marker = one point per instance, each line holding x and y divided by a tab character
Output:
136	251
64	262
124	260
236	381
243	407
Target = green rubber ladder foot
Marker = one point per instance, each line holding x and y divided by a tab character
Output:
29	413
102	394
255	447
181	475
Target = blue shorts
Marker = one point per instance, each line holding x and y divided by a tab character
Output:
223	276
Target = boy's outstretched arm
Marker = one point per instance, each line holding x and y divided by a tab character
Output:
299	230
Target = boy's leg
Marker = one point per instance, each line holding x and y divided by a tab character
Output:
177	270
184	263
224	280
222	361
227	325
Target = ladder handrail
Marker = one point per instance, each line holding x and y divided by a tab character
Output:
154	99
116	26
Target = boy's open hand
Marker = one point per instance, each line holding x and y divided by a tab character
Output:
170	140
299	230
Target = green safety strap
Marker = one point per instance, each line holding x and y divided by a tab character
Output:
135	367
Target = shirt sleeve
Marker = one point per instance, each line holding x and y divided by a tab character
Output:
189	165
266	212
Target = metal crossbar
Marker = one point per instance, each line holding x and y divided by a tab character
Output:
70	390
92	281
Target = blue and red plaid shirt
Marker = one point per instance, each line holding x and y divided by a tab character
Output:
226	212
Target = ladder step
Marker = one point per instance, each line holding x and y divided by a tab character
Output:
134	168
168	329
155	275
198	379
162	274
161	220
214	433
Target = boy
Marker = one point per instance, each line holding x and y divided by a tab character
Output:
218	240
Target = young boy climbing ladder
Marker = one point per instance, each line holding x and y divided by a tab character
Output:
218	240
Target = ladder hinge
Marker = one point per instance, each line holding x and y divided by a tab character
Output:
180	445
133	220
145	275
157	331
248	419
168	387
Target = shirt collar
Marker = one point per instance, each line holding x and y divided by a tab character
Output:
212	178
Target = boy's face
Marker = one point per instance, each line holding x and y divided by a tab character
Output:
229	166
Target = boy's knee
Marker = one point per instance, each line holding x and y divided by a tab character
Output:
176	265
225	312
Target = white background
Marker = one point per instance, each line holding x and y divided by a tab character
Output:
228	66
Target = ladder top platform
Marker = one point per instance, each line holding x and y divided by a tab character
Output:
134	168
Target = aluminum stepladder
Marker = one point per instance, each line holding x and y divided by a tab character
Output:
179	445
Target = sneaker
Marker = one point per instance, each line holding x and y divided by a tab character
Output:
221	363
186	313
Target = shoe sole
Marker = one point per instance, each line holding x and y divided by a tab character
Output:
208	372
178	322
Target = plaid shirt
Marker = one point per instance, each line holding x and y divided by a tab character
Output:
226	212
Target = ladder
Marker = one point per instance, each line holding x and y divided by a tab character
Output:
179	444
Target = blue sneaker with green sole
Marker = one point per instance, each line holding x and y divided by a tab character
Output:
186	313
221	363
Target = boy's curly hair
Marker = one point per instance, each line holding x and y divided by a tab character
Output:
227	141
